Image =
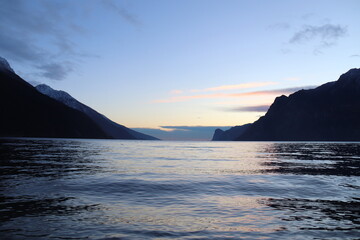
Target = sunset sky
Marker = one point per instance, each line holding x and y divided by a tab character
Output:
167	64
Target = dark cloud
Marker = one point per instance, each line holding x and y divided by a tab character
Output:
32	34
199	133
17	13
259	108
328	34
122	12
20	49
55	71
41	34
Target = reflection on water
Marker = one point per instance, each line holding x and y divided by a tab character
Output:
341	159
106	189
320	214
48	158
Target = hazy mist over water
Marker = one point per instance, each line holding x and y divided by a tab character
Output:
113	189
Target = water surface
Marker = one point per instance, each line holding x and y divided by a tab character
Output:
112	189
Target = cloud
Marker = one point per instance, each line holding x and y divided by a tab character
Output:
328	34
237	86
122	12
42	34
259	108
19	49
199	133
355	55
213	89
193	128
187	98
175	92
272	92
34	83
55	71
232	95
31	33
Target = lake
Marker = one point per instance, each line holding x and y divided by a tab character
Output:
114	189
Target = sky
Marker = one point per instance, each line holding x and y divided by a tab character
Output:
180	69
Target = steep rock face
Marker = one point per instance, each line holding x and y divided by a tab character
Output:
330	112
27	113
218	135
230	134
111	128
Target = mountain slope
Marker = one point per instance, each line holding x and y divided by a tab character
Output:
111	128
230	134
5	66
27	113
330	112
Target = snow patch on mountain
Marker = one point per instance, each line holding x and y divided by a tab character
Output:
61	96
4	65
111	128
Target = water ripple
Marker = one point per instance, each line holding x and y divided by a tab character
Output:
107	189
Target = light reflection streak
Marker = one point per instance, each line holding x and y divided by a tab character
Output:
235	214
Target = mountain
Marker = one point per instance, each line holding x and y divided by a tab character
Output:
330	112
230	134
111	128
5	66
27	113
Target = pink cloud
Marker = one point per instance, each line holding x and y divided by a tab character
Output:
176	92
236	86
231	95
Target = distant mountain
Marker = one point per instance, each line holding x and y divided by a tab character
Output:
330	112
230	134
27	113
111	128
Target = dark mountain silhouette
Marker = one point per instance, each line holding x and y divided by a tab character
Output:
111	128
330	112
27	113
230	134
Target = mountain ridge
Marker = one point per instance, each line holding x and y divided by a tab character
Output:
27	113
230	134
111	128
330	112
5	66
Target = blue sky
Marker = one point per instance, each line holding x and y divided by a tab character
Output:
150	64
